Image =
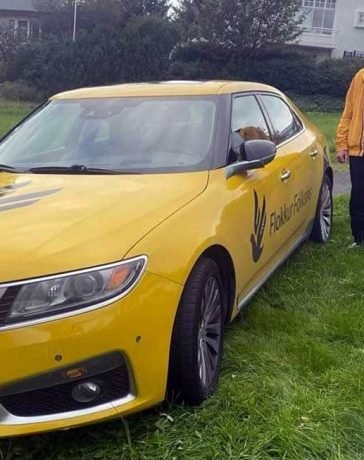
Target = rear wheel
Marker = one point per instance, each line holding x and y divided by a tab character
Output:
197	340
323	220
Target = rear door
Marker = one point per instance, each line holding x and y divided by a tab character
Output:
298	146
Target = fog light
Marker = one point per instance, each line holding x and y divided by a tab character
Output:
86	392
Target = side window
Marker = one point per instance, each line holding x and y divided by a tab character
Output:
285	124
248	119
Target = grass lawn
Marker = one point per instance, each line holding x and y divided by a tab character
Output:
291	384
11	113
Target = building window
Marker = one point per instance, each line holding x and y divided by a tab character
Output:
12	25
35	29
320	16
359	19
319	3
23	30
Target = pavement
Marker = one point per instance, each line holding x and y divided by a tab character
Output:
341	182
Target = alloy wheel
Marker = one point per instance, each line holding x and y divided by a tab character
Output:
326	211
210	332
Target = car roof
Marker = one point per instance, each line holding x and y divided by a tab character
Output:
166	88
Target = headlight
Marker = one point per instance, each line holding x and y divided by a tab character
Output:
59	294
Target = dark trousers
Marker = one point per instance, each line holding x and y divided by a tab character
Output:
357	198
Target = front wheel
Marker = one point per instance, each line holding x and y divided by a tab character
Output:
197	340
323	219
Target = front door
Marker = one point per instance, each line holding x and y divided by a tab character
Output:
262	199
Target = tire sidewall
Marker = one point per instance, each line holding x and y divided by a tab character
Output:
212	386
184	368
317	233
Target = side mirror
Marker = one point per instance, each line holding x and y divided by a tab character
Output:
255	154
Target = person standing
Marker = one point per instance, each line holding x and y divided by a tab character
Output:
350	147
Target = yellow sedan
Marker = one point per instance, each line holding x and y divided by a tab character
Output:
136	222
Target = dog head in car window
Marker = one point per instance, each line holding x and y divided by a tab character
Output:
251	133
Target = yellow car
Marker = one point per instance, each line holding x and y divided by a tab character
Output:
136	222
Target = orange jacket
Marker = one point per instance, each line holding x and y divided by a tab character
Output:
350	132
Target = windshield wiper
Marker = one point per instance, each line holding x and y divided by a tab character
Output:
77	169
11	169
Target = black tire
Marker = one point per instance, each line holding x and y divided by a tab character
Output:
187	380
322	225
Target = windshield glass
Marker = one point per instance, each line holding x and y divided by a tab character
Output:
122	134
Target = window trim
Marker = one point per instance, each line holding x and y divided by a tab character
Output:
294	114
358	24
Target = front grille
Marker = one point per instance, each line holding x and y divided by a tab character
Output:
114	385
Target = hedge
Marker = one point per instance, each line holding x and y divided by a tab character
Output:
290	71
143	52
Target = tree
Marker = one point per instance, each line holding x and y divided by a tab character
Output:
138	52
115	14
239	24
58	17
143	7
109	14
147	43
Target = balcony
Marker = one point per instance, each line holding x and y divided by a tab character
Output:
318	37
356	53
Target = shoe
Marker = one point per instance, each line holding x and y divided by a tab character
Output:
354	245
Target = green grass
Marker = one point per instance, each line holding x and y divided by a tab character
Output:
292	377
11	113
291	384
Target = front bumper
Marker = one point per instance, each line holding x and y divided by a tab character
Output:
138	326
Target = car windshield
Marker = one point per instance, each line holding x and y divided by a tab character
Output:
136	135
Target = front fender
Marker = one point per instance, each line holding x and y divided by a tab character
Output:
174	247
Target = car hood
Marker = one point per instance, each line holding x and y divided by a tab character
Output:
56	223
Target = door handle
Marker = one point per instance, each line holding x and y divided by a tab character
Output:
285	175
314	153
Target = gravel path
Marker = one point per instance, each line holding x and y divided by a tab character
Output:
342	183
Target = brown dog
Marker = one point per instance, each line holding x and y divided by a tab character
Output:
251	133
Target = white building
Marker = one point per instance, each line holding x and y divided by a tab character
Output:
21	17
333	28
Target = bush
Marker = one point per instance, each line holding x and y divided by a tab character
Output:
20	91
52	66
3	71
146	45
139	53
289	71
336	75
142	51
318	103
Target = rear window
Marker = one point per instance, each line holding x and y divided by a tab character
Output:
285	123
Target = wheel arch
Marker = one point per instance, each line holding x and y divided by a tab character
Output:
221	256
330	174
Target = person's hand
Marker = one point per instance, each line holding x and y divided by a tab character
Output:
342	156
